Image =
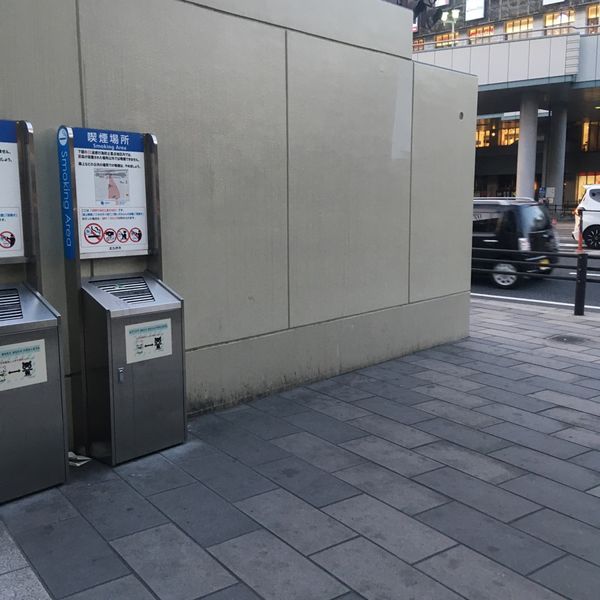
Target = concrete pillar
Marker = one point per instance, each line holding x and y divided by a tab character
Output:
556	156
527	144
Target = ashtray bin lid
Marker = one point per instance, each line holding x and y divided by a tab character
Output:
22	308
131	294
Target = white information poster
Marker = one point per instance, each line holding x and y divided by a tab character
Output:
111	193
474	9
11	223
144	341
22	364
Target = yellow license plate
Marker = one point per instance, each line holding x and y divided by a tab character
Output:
545	262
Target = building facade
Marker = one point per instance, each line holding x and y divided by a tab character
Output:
538	64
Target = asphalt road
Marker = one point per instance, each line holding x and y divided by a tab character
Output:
547	290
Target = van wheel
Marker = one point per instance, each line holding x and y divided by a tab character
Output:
505	275
591	237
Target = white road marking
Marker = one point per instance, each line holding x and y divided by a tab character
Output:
532	300
589	274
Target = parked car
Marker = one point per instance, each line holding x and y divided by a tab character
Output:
519	224
590	203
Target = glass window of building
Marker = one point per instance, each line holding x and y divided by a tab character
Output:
559	23
509	133
518	28
590	131
418	44
480	35
586	179
443	40
593	18
485	133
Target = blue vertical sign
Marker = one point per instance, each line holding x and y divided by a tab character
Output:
66	191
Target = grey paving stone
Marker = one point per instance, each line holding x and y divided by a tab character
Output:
400	366
22	585
585	370
306	481
403	435
277	406
114	509
566	533
126	588
235	441
398	533
444	367
490	537
172	565
11	558
574	417
537	441
393	392
354	378
544	361
226	476
318	452
463	435
560	497
512	372
571	577
469	462
590	383
338	390
203	515
263	425
590	460
457	413
333	407
275	570
379	575
511	399
456	383
325	427
393	489
44	508
453	396
517	387
90	473
588	406
393	410
70	556
153	474
548	466
477	577
583	437
394	457
236	592
549	373
299	524
536	422
485	497
572	389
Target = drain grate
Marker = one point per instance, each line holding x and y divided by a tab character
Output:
568	339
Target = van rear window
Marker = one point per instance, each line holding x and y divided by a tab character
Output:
484	221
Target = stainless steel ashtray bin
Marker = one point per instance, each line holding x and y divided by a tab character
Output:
33	441
134	366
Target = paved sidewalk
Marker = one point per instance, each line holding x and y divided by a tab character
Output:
471	470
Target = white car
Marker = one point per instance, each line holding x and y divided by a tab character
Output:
590	204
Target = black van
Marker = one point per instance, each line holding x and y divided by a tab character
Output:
512	224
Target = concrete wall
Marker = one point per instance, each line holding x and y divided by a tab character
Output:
286	141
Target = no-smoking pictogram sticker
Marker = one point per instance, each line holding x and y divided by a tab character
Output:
110	235
7	239
93	233
135	234
123	235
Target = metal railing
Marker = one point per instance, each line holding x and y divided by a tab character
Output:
579	272
546	32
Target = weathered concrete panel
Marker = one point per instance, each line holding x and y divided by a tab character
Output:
349	136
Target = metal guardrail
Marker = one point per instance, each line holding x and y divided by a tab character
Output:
462	42
581	258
